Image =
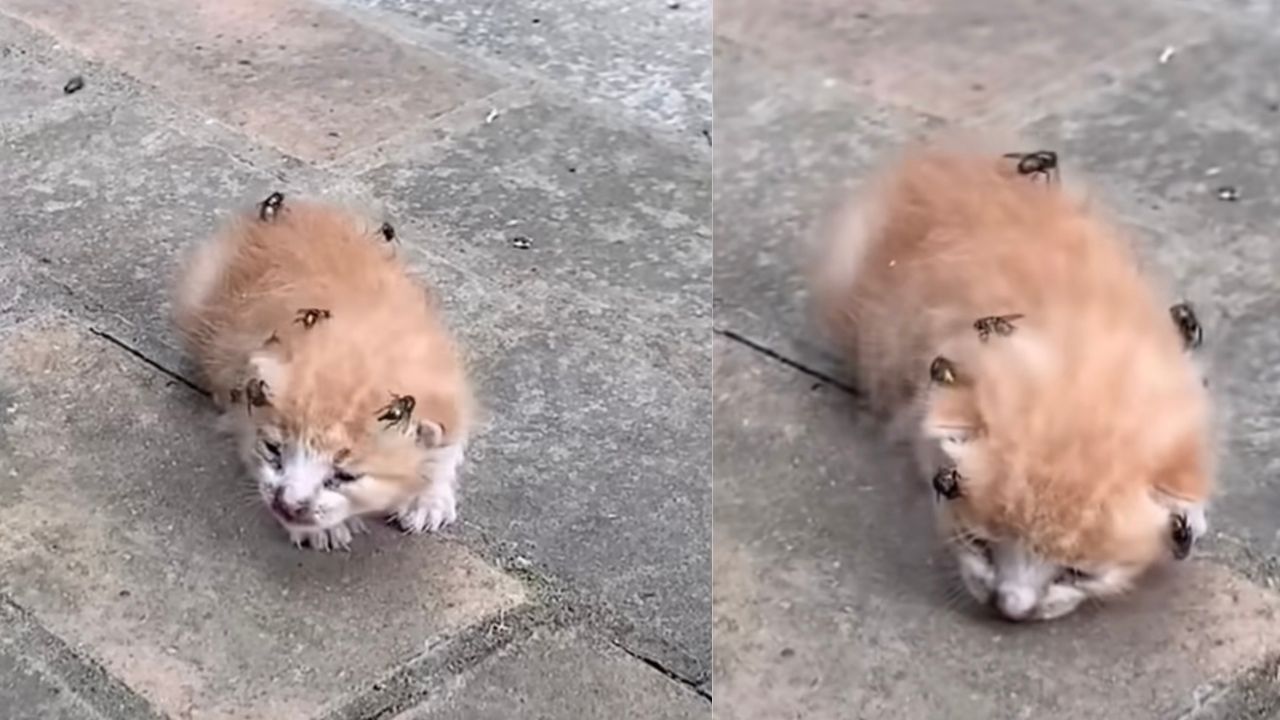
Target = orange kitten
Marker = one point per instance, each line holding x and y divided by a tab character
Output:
1047	391
332	367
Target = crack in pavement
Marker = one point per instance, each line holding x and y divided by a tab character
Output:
88	680
694	684
173	374
793	364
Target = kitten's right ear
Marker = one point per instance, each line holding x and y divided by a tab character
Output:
430	434
269	373
951	417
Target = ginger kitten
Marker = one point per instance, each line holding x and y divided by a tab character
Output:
1046	388
332	368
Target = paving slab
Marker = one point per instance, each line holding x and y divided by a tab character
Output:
595	461
563	675
105	200
127	529
42	679
33	76
1256	696
605	211
938	57
649	59
831	598
302	77
791	146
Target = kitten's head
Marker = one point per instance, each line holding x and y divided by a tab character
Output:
1068	463
324	445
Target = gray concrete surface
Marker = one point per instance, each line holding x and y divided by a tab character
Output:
650	60
561	675
829	598
41	679
137	576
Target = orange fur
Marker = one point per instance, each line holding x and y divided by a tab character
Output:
236	309
1081	427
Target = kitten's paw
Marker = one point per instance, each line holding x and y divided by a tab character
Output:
1058	601
429	512
337	537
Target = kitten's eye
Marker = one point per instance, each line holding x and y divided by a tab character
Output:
274	453
340	477
982	546
1070	575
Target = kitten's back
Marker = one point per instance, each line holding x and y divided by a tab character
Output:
242	293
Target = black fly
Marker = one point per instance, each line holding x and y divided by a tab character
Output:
398	411
269	208
1180	532
947	483
255	392
308	317
942	371
1041	163
1188	325
1001	325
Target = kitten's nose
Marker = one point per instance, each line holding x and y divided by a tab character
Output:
1015	603
290	512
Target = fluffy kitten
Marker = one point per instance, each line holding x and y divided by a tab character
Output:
1047	391
332	367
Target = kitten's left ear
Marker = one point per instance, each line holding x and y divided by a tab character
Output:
951	417
430	434
266	368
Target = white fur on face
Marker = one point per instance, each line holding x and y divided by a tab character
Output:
299	485
1022	586
300	482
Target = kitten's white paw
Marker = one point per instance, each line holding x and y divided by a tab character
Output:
1059	600
337	537
432	510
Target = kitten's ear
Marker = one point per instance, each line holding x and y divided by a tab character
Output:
271	370
430	434
951	418
1184	475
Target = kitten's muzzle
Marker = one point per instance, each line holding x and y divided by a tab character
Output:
1014	603
294	514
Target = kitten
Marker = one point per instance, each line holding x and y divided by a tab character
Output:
1048	393
332	368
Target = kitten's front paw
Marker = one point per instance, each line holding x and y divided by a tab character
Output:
1058	601
337	537
429	512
